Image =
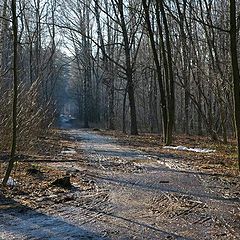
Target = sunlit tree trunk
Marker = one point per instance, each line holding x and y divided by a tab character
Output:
15	91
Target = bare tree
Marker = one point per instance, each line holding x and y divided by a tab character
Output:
235	71
15	91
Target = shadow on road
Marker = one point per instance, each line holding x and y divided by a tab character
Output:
155	186
21	222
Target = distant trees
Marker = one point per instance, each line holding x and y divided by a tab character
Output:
182	45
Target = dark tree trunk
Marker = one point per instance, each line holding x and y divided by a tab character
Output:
124	112
235	72
129	73
111	106
133	115
110	82
15	91
185	65
158	70
86	101
171	97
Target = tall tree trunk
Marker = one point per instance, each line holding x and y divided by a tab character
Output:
87	65
158	70
129	72
235	72
107	66
15	91
184	64
170	80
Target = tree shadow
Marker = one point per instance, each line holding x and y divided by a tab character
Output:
190	172
21	222
159	232
162	188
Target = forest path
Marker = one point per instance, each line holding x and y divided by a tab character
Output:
136	196
152	197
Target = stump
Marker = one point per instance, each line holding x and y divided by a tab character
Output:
62	182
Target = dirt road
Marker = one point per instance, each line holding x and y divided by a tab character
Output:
134	195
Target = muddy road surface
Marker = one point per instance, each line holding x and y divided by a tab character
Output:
132	195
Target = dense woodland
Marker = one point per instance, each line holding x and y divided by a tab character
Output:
164	67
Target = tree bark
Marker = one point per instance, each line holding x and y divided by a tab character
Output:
129	72
15	91
158	70
235	72
170	91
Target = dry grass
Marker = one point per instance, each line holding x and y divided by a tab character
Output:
224	160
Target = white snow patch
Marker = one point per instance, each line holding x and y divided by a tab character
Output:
11	182
68	151
197	150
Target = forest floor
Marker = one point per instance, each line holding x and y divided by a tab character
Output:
123	187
